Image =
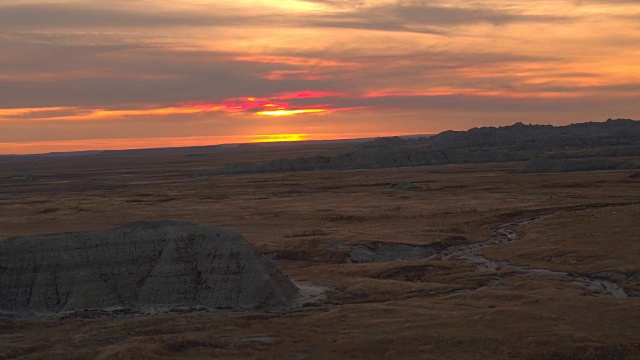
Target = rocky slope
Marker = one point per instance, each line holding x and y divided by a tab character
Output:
143	265
518	142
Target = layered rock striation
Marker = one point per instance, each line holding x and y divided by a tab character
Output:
143	265
518	142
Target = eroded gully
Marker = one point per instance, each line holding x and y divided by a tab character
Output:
505	233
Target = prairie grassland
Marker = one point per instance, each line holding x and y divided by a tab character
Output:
309	223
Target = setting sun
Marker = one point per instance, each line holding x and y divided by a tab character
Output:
289	112
279	138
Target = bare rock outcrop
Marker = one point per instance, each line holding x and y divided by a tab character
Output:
402	186
142	265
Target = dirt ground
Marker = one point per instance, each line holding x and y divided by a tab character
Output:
586	225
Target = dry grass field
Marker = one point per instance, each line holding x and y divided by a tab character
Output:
585	225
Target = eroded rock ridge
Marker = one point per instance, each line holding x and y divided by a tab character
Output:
518	142
143	265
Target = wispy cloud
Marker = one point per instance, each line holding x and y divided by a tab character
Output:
285	104
419	17
96	15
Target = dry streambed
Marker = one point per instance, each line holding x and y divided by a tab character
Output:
599	283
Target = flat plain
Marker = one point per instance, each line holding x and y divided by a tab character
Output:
522	266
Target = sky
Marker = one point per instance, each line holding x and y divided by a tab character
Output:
92	74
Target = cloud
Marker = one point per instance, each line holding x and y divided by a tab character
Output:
338	66
401	16
423	18
101	76
85	16
133	74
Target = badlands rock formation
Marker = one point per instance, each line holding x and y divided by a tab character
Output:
518	142
143	265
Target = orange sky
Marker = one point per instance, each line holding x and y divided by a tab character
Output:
88	74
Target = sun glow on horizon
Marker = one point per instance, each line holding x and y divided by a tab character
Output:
279	138
283	112
48	146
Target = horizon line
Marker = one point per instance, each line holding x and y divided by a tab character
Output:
185	142
264	142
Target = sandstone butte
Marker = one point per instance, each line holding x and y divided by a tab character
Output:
142	265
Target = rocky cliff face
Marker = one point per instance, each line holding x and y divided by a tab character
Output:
144	265
520	136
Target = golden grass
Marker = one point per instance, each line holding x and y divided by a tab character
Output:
402	310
